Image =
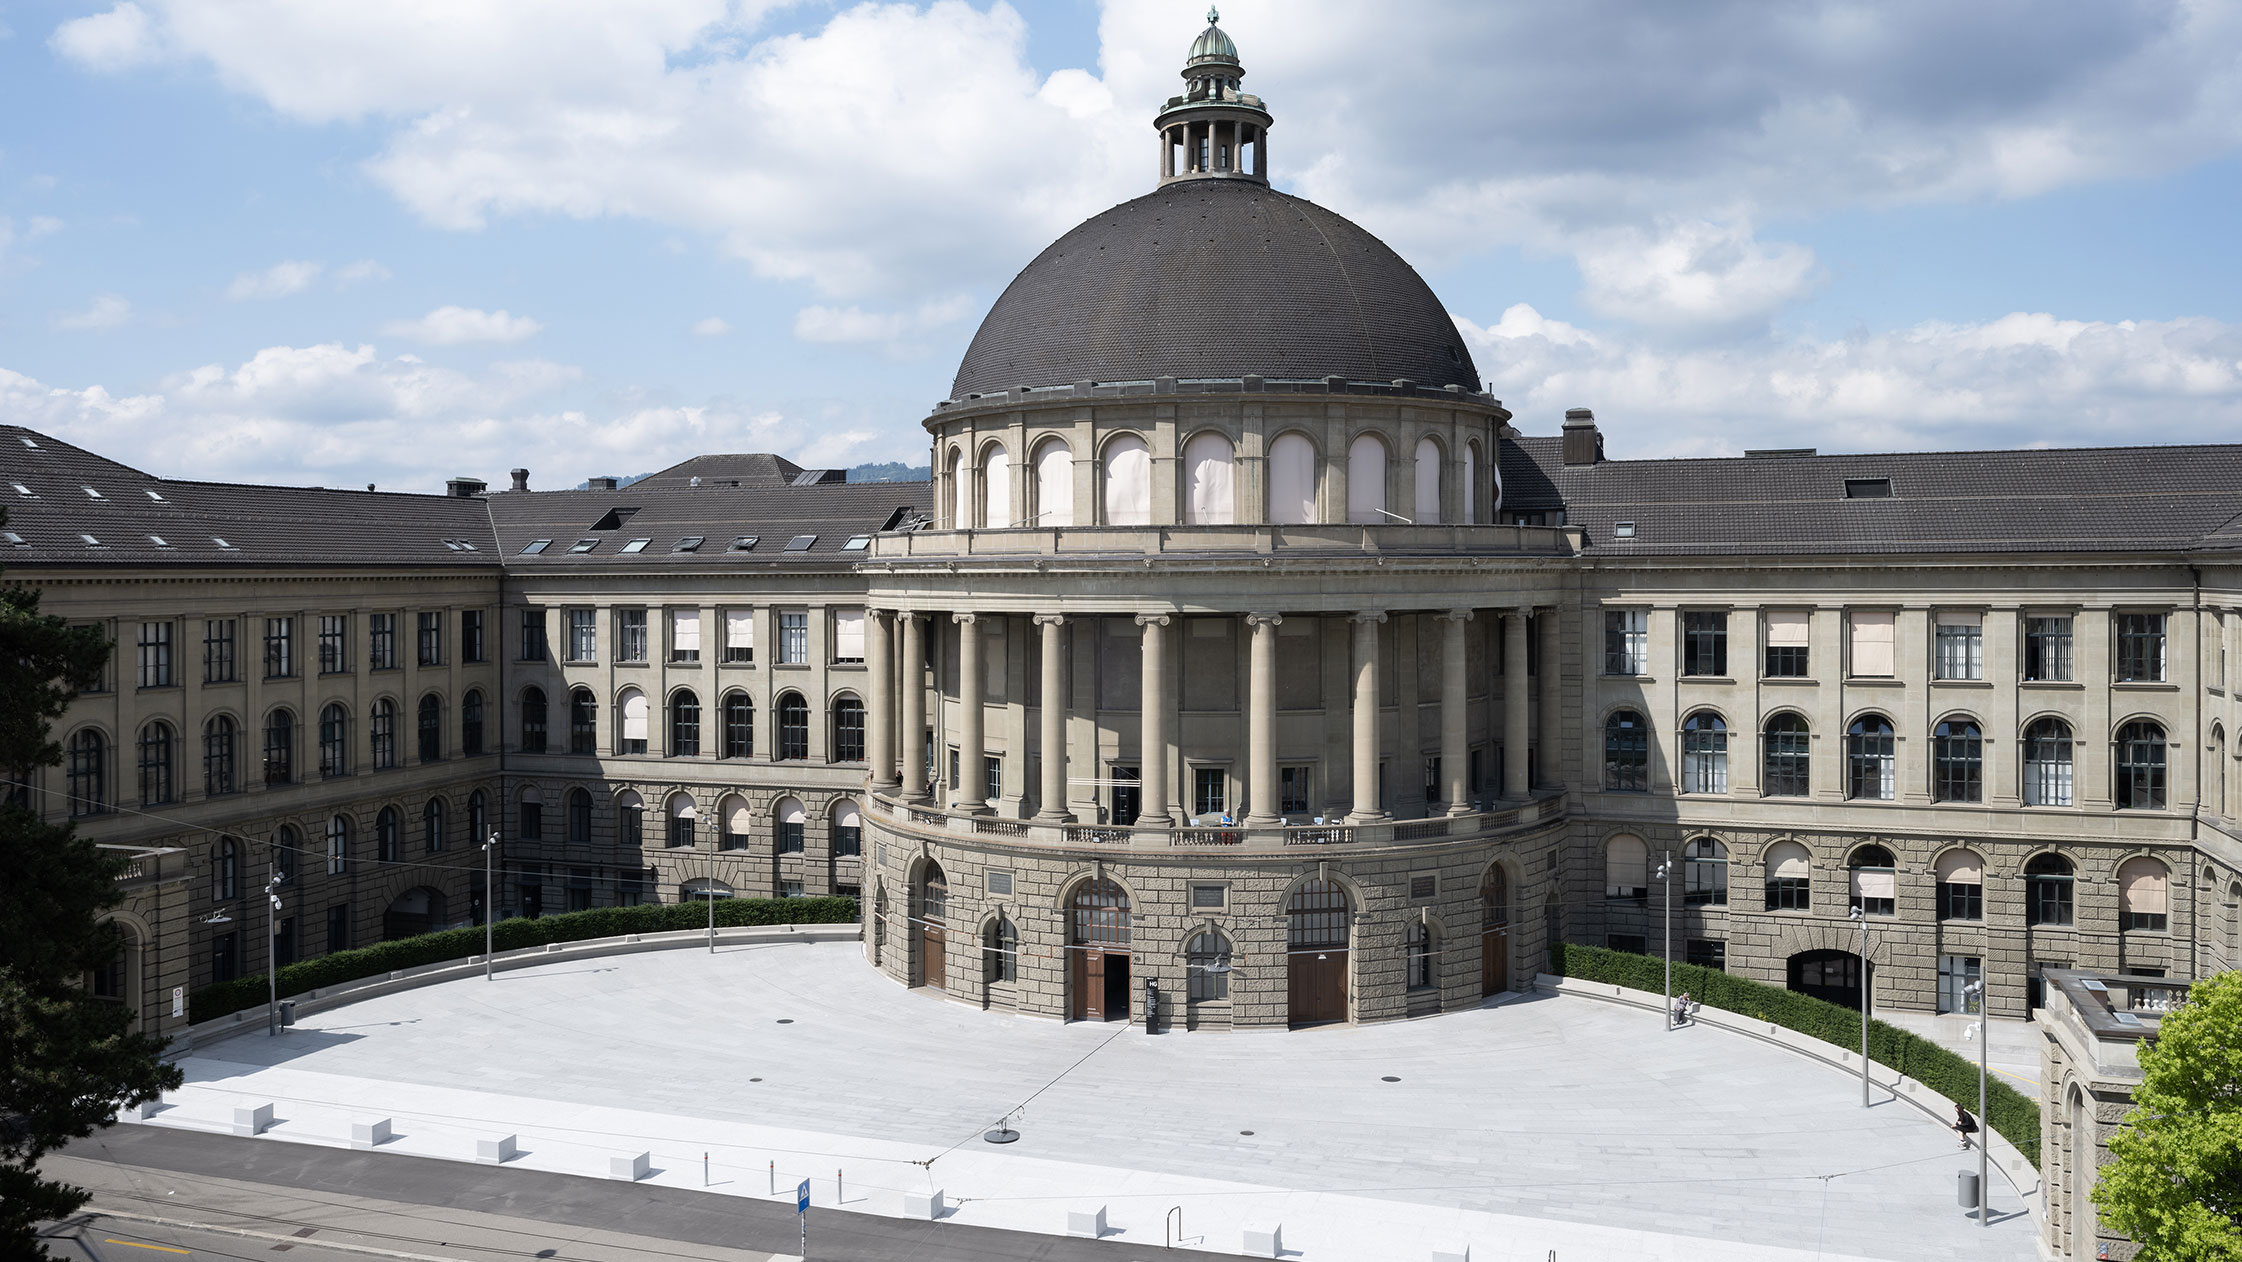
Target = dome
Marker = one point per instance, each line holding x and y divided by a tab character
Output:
1221	279
1212	45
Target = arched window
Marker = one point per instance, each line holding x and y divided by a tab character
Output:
1428	482
334	741
533	720
432	825
1870	761
2047	890
848	830
1626	869
739	725
1961	886
1292	480
155	763
2144	886
1705	873
2047	763
1128	482
579	818
848	729
1209	481
1790	872
996	487
737	822
280	747
793	726
1704	753
429	725
583	721
634	709
1423	971
1626	753
2140	767
1471	482
1957	761
1318	915
792	824
1874	881
680	814
387	824
89	773
2218	770
471	724
1207	959
1786	750
1054	483
478	817
284	847
1000	951
225	871
1366	481
219	747
630	819
382	727
684	724
338	845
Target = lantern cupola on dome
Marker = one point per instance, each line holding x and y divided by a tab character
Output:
1213	130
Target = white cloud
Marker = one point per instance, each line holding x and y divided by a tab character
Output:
451	326
363	270
854	324
1699	275
713	326
105	312
33	228
277	281
120	39
2025	379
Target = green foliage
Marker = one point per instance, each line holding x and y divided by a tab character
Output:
2174	1181
2009	1112
338	967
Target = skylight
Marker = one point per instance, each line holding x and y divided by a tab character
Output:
28	443
91	494
1623	530
857	543
14	540
637	545
91	542
584	545
690	543
21	489
157	498
746	543
466	546
536	546
222	543
801	543
158	540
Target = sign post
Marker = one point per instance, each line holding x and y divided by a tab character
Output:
802	1211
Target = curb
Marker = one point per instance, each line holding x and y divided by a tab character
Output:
95	1211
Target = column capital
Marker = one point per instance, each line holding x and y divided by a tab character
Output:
1050	620
1152	619
1457	615
965	619
1264	619
1372	616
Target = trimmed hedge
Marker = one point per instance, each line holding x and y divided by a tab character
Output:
338	967
2010	1112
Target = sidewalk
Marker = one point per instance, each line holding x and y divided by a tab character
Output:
2015	1055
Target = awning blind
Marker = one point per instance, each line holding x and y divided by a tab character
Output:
1872	644
848	635
1787	628
685	630
739	628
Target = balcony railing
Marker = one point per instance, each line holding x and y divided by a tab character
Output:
1198	834
1030	542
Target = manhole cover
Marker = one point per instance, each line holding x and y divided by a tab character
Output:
1389	1078
755	1080
1245	1132
786	1020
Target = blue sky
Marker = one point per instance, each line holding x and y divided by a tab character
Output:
292	243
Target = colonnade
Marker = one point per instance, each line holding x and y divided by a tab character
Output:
904	772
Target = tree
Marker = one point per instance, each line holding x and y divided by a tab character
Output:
2174	1183
68	1061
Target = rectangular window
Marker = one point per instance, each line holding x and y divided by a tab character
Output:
381	641
532	821
1293	785
155	655
429	638
1705	644
794	638
218	651
280	648
1955	975
630	635
583	635
685	635
1961	646
739	635
533	647
1871	645
1787	642
992	769
2047	648
1209	786
471	636
338	928
1961	900
1627	642
1708	953
2140	648
334	643
848	635
1787	893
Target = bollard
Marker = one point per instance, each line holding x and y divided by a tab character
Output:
837	1197
495	1152
370	1134
629	1169
1086	1221
704	1169
1965	1188
774	1178
923	1204
1265	1240
252	1121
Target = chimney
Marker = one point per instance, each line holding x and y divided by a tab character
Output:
1583	444
464	488
600	484
521	479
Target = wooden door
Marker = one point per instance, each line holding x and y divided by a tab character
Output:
937	965
1317	981
1089	984
1494	961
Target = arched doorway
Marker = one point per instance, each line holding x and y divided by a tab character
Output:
416	911
1494	932
933	926
1316	954
1098	951
1831	975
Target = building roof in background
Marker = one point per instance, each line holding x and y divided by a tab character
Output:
794	521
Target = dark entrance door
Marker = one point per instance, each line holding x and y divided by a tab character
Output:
1098	952
1128	797
1831	975
934	911
1494	933
1316	953
1116	998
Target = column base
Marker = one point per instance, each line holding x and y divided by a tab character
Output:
1460	808
1263	821
1052	817
1367	817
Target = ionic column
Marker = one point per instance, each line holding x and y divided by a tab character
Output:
972	789
914	707
879	663
1152	758
1054	720
1516	698
1455	727
1552	696
1261	721
1367	806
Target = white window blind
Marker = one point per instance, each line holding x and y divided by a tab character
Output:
1875	883
1210	497
790	812
961	485
1471	483
1961	867
1128	482
1973	620
737	821
2143	885
685	631
847	816
1788	861
634	715
848	635
1428	482
681	806
1787	629
1292	481
739	628
996	489
629	800
1054	484
1626	866
1366	482
1872	644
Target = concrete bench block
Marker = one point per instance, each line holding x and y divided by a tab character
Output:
369	1134
926	1205
629	1169
495	1151
1087	1221
252	1121
145	1109
1264	1240
1451	1253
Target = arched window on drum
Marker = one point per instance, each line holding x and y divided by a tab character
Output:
1209	483
1292	480
1128	482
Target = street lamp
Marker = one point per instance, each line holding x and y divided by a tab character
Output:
1975	991
272	951
489	845
1665	876
1859	912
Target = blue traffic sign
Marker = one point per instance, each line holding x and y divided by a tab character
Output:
802	1198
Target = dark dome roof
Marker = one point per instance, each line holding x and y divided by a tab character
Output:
1215	278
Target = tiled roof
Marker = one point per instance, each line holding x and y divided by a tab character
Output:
664	510
2088	499
1215	279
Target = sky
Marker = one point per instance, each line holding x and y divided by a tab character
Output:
327	244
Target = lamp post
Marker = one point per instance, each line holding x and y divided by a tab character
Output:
1860	913
272	952
1666	894
1976	991
490	845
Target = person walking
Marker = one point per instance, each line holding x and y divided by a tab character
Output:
1964	1125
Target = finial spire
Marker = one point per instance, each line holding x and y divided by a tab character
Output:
1214	129
1214	15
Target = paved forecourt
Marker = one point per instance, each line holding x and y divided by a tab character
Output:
1531	1125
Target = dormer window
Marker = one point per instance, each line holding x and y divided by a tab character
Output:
615	518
